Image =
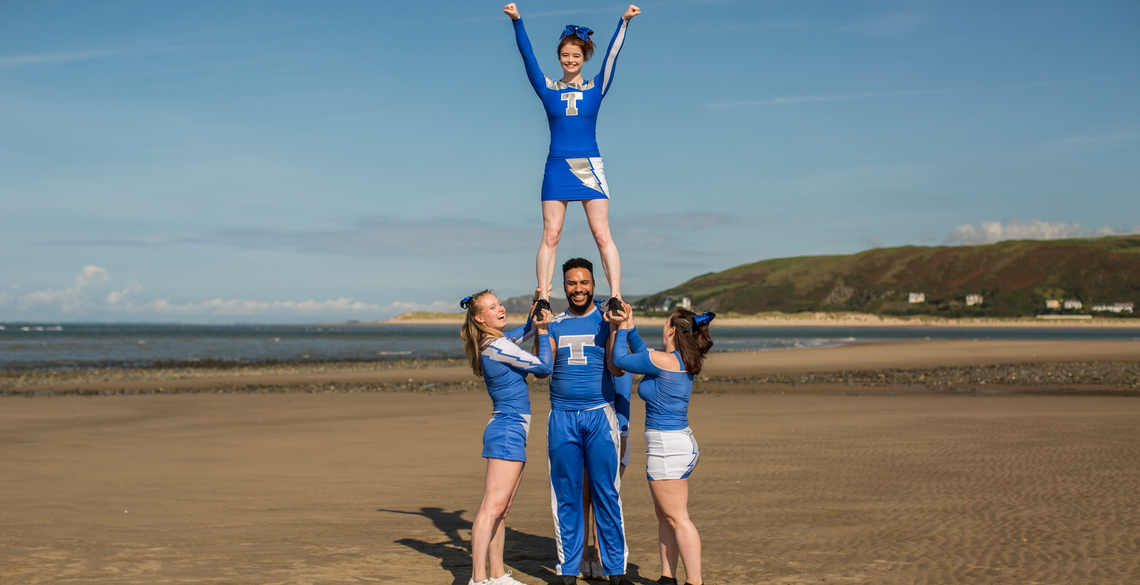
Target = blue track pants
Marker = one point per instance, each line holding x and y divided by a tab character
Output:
586	441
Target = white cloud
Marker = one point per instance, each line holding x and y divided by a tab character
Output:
251	308
91	274
988	232
432	307
116	296
48	297
86	299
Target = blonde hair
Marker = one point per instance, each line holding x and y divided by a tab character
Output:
476	335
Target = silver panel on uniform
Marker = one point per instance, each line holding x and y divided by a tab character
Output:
585	172
561	85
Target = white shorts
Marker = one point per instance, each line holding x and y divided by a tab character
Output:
671	454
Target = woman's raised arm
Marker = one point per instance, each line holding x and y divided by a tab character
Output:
530	63
609	63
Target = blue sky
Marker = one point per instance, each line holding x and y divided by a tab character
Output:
295	161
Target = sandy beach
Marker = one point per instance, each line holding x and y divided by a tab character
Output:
934	462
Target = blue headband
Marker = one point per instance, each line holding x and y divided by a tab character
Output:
578	31
703	319
466	301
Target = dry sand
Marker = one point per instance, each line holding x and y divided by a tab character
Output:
809	486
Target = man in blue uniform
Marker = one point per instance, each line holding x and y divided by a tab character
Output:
583	433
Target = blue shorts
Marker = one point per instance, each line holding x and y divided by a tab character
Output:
574	179
505	436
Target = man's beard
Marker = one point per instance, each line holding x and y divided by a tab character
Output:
579	309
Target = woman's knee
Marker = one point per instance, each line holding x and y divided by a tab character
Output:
496	508
675	519
551	236
603	237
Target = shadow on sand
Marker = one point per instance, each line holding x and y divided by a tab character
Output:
526	554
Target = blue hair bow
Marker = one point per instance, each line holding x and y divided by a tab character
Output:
466	301
578	31
703	319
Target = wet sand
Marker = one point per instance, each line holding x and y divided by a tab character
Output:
427	374
830	482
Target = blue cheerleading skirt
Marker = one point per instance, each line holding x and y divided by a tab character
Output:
574	179
505	435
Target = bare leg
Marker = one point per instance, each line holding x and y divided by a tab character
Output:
666	540
671	498
598	215
553	216
498	492
496	566
588	515
621	468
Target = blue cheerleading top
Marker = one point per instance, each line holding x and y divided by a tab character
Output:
619	389
580	361
666	393
571	108
505	368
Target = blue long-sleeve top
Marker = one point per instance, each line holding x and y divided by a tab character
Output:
618	389
505	368
571	108
666	393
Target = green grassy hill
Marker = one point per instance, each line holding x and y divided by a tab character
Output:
1015	278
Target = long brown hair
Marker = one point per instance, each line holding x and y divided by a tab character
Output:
475	335
691	338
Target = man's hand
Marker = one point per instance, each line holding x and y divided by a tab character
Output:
513	11
630	12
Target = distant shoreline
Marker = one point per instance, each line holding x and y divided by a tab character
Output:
947	365
819	319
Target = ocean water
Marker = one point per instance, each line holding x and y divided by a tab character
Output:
71	346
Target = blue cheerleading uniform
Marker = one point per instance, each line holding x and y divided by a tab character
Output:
619	389
505	368
584	435
574	170
672	450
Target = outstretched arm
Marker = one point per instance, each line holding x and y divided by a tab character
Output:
614	370
533	71
636	343
609	63
520	333
638	363
504	351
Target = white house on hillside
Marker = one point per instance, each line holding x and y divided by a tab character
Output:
972	300
1114	308
916	297
672	302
